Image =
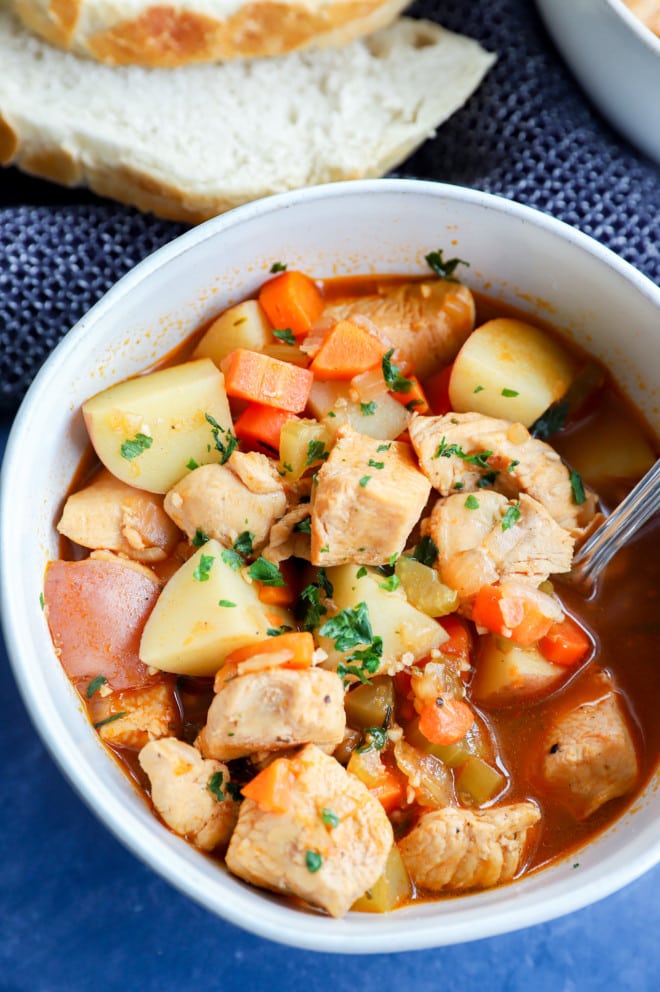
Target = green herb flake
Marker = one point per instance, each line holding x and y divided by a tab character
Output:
472	503
314	609
278	267
349	628
576	864
133	447
392	559
487	480
361	572
316	452
444	269
192	464
285	335
233	789
511	515
226	602
313	861
374	739
233	559
203	568
278	631
364	480
577	486
459	485
375	464
42	601
331	413
228	445
200	538
426	552
324	582
266	572
510	393
478	389
391	583
384	447
110	719
512	465
244	543
551	421
368	409
214	785
95	685
396	382
303	526
329	817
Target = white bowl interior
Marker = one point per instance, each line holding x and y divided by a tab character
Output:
516	254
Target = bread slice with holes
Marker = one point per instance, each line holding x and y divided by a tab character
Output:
190	143
139	32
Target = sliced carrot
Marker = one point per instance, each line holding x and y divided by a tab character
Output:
262	425
566	643
297	646
514	617
292	300
414	399
459	644
271	788
391	789
285	595
436	388
260	379
346	351
445	721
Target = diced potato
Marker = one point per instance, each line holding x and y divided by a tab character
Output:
612	446
148	431
424	589
479	782
505	357
331	402
193	626
299	442
404	630
391	890
507	672
368	705
242	326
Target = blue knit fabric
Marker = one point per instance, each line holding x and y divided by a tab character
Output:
528	133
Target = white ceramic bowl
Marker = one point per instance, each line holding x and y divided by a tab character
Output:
516	254
616	59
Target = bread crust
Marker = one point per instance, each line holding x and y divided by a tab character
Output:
168	35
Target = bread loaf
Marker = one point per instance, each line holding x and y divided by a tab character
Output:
190	143
138	32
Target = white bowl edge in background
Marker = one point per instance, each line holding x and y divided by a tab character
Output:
346	228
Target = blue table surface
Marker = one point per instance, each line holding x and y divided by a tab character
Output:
78	912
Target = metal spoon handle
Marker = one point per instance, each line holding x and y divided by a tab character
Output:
638	507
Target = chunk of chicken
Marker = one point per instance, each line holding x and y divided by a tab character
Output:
521	463
368	498
426	321
108	514
588	754
328	845
274	709
453	849
134	717
285	541
222	503
190	792
481	546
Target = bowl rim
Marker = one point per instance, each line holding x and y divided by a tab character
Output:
245	907
633	22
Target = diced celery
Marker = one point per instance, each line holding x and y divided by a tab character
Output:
479	781
424	589
389	891
368	705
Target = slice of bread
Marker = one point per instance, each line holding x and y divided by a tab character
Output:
138	32
190	143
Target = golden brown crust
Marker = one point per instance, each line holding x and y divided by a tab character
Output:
65	12
8	142
55	164
53	31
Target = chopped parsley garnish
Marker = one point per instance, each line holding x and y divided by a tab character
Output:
203	568
42	601
426	552
511	515
227	446
510	392
192	464
551	421
472	503
487	480
214	785
233	789
512	465
375	739
579	495
480	458
278	267
375	464
384	447
368	409
278	631
225	602
364	480
478	389
396	382
303	526
135	446
393	558
243	543
200	538
324	582
390	584
349	628
285	335
313	861
445	270
95	685
316	452
458	485
110	719
286	467
233	559
266	572
329	817
315	608
361	572
325	549
331	413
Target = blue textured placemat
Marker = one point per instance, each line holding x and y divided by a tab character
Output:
528	134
